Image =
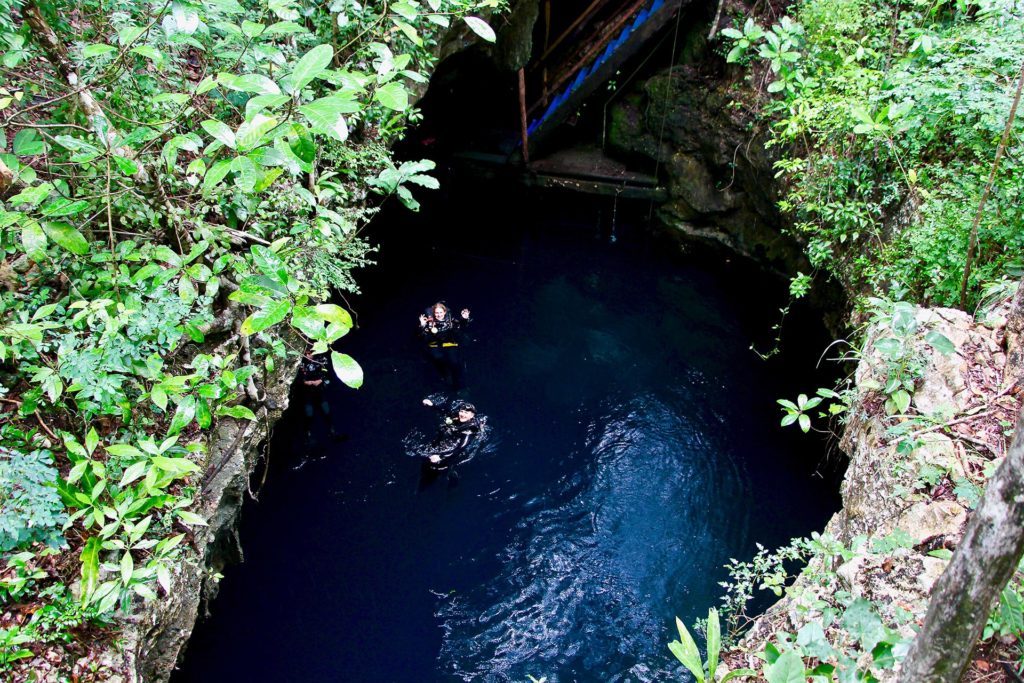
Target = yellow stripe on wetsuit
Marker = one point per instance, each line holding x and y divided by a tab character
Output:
445	345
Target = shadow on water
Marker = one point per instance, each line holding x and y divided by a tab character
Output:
634	448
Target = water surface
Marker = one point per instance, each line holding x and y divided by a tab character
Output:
634	448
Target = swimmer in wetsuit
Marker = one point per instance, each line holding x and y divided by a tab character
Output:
441	330
459	428
315	377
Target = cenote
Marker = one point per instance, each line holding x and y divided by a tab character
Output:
634	447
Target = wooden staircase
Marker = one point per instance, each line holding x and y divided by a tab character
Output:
585	56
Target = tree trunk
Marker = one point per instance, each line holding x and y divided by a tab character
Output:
981	566
972	241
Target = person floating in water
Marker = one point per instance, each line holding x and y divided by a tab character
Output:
315	377
441	331
459	429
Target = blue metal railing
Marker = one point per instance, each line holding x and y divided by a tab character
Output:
587	71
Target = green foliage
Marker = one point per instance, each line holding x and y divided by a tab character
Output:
796	412
30	509
845	639
1007	618
888	116
897	342
393	179
685	650
188	182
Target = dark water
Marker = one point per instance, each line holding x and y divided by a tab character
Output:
634	448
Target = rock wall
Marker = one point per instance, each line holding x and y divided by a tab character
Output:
975	388
720	176
156	634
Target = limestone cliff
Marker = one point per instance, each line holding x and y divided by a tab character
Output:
972	392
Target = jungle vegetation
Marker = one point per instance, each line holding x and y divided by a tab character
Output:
182	186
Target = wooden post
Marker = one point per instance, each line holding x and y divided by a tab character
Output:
547	42
522	115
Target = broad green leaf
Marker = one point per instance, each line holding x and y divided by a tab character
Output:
33	239
738	673
149	52
940	342
326	115
481	28
172	97
246	173
347	369
251	132
126	566
183	415
97	49
409	32
31	195
174	465
133	472
90	558
393	96
67	237
203	416
267	179
27	143
159	397
257	84
219	131
308	322
257	104
788	668
889	346
312	64
252	30
61	207
902	401
424	181
265	317
863	623
240	412
811	638
405	9
190	518
43	311
215	174
333	313
146	272
270	264
685	650
714	641
123	450
126	166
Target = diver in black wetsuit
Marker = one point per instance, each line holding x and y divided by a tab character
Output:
459	428
441	331
315	377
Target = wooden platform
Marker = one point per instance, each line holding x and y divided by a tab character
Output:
578	169
587	169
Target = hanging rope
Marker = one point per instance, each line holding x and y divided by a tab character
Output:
664	113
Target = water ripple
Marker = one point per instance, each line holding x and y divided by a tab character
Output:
593	575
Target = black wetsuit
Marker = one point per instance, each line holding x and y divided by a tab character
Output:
452	438
315	396
443	338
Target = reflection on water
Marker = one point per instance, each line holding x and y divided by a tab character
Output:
633	448
595	566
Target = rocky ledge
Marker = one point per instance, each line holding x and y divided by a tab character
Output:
902	505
